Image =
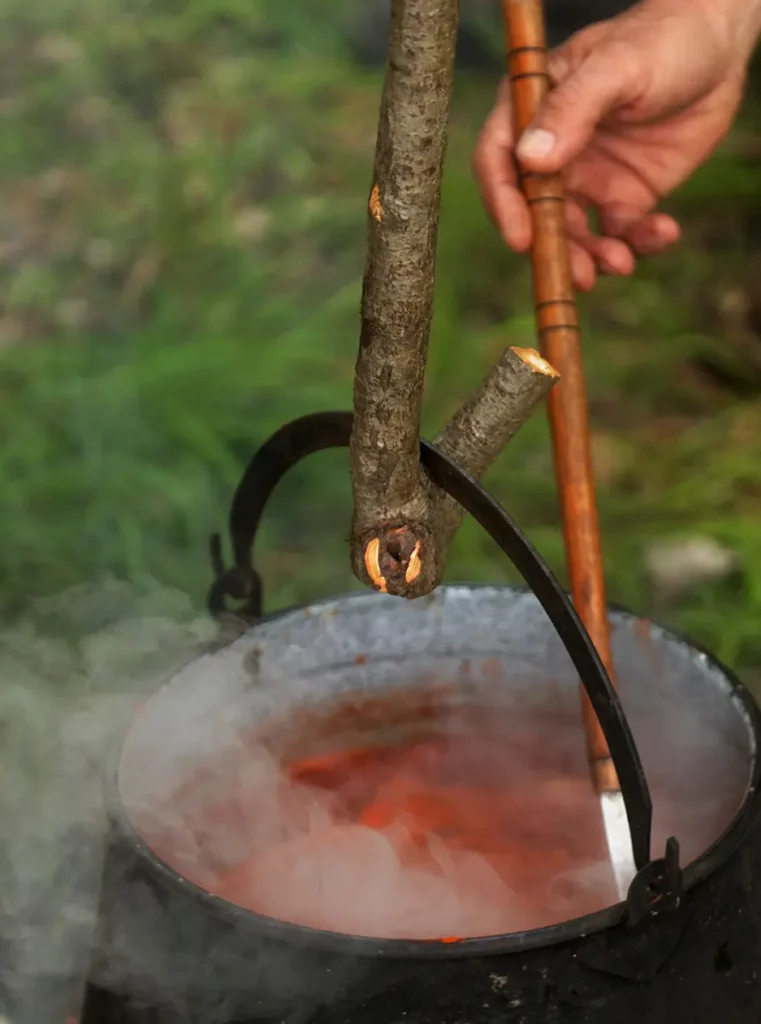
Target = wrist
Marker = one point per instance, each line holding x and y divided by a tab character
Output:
742	19
737	23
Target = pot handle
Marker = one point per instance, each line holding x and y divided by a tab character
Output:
324	430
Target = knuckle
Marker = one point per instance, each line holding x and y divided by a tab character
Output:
567	95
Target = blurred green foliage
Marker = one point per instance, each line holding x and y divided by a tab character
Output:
181	249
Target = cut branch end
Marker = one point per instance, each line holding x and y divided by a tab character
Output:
536	362
394	562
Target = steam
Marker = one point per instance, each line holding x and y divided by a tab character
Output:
222	811
66	694
500	843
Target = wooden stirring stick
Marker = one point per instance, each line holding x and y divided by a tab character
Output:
558	328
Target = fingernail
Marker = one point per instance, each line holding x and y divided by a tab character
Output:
535	143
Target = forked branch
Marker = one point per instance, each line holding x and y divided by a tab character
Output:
403	524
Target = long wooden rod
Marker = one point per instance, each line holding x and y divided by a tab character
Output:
558	328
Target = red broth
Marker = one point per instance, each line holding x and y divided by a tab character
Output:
457	835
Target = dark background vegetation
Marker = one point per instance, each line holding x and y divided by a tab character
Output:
181	247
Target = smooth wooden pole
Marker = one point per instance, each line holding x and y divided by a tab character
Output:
558	328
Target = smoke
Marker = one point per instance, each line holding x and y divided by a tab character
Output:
67	691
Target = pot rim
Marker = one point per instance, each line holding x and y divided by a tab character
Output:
572	929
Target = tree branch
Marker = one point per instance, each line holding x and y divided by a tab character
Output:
484	424
397	294
401	558
402	524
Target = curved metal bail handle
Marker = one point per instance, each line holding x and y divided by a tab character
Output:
321	431
287	446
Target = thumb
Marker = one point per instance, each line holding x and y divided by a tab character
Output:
569	114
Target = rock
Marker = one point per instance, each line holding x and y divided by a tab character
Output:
677	567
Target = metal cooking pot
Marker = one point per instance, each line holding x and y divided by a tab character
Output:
683	946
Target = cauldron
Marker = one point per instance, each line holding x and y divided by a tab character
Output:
684	945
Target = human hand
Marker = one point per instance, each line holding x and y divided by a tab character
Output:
639	102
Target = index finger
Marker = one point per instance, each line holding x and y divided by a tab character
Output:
496	176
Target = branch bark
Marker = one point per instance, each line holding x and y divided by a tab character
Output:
484	424
408	559
402	525
397	294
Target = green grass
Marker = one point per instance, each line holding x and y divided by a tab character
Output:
186	202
